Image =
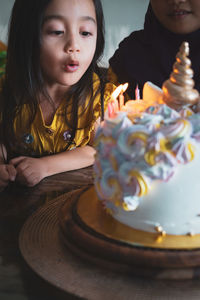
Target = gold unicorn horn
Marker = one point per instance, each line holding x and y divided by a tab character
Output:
178	89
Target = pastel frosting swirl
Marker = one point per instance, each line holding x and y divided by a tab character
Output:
132	154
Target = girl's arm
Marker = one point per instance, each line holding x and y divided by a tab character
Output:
31	171
78	158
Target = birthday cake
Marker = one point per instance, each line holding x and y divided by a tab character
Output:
147	163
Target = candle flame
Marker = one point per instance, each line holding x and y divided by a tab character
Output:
119	90
124	87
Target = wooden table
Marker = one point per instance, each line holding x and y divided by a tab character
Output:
19	282
17	203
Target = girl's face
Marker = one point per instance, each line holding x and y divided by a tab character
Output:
178	16
69	36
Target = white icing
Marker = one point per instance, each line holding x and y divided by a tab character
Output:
174	205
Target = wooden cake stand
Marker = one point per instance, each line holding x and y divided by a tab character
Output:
91	233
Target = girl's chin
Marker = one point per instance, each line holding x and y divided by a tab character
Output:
68	79
68	83
71	78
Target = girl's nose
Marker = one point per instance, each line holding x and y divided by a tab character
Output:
72	46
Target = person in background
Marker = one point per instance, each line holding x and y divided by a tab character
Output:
51	95
149	54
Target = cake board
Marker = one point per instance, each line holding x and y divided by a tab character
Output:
91	233
41	245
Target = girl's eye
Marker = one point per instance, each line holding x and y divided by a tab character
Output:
57	32
86	33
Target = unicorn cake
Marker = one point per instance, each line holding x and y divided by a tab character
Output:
147	163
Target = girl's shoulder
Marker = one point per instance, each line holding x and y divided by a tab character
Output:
85	111
89	118
108	89
112	76
109	86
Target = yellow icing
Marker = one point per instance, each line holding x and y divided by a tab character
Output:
137	135
141	181
191	149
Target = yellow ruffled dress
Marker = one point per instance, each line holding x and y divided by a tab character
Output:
41	139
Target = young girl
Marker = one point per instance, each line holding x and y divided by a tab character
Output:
149	54
50	99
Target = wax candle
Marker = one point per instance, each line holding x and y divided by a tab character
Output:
111	110
121	95
121	100
116	102
137	93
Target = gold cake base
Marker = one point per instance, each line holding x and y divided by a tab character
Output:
96	236
92	214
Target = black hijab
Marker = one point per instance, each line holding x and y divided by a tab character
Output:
149	54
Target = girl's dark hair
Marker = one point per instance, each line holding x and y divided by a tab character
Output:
23	77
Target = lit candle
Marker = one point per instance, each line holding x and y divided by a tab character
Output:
124	87
137	93
111	111
121	95
116	93
115	105
121	100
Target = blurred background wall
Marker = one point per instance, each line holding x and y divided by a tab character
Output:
121	18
